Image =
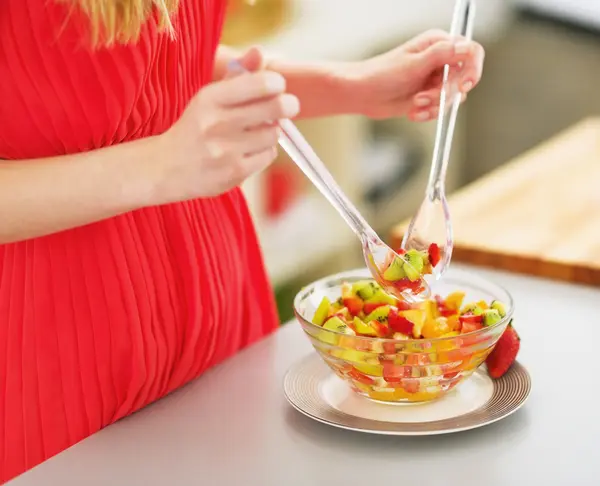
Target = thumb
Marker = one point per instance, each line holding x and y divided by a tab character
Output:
253	59
437	55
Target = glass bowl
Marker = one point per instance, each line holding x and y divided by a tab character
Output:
413	370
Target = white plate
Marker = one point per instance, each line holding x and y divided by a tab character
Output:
313	389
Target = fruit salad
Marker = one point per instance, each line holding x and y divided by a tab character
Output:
405	271
409	366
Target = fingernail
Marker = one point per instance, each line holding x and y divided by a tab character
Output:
468	86
462	47
422	116
274	82
290	105
422	102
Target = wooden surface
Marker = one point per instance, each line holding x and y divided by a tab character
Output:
539	214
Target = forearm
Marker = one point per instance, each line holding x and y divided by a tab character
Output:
324	89
44	196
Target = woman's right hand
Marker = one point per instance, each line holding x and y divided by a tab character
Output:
224	135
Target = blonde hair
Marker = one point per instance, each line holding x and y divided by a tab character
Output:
121	21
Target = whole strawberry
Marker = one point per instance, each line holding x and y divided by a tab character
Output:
504	353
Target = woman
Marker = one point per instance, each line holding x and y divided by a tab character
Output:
128	261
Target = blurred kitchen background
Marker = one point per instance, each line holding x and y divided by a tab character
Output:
541	76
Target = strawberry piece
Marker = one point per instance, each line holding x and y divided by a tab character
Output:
504	353
380	328
360	377
470	327
405	284
401	251
389	348
393	373
435	254
402	305
399	323
410	385
369	307
354	305
470	318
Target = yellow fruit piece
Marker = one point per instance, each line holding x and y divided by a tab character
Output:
363	328
451	334
322	312
431	309
483	305
455	300
361	386
417	317
347	291
351	355
370	369
388	394
453	323
435	329
423	396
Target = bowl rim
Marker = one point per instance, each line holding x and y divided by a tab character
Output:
354	273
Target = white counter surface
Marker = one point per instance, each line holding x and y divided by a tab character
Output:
234	427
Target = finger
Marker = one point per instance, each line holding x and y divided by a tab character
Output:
257	140
261	112
426	39
259	161
253	60
246	88
445	52
472	67
432	96
424	114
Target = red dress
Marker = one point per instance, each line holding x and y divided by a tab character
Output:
99	321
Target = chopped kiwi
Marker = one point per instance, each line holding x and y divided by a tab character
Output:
491	317
499	306
380	314
414	264
322	312
380	297
363	328
472	308
364	288
337	325
395	271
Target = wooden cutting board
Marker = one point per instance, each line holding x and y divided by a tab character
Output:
539	214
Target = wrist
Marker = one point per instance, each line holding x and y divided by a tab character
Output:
149	172
354	86
324	89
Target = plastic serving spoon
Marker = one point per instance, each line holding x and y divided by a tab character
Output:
377	254
432	223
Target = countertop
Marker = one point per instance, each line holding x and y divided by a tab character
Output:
233	426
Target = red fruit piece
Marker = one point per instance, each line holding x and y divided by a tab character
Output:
369	307
469	326
399	323
504	353
410	385
435	255
470	318
393	373
380	328
403	305
354	305
389	348
360	377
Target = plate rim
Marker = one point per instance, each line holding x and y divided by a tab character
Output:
413	433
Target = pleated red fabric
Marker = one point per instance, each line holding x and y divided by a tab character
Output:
99	321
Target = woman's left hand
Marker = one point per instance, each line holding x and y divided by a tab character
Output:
407	81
